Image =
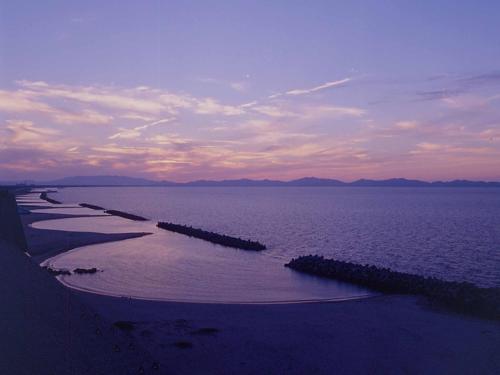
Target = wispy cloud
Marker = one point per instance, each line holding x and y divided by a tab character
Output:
21	102
241	85
87	116
22	131
140	100
136	116
273	111
324	86
209	106
491	134
428	146
453	86
438	94
46	129
137	131
128	100
406	125
311	112
489	78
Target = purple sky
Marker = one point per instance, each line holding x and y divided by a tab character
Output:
184	90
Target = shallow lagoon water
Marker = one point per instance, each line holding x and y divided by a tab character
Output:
169	266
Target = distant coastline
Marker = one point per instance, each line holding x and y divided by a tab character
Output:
108	181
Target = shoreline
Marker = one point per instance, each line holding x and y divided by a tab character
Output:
459	296
61	279
46	328
382	334
182	251
45	244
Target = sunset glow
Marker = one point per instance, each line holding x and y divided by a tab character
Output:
183	92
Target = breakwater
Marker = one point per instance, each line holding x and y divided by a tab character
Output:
56	272
91	206
219	239
126	215
45	197
65	272
463	297
85	271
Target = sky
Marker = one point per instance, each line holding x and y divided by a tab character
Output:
186	90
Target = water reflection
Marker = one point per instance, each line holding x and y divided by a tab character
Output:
169	266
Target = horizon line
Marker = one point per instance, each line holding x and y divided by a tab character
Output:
29	182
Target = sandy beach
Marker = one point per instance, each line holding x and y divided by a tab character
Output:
389	334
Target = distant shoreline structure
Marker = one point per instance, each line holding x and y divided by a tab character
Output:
460	296
216	238
46	198
125	215
124	181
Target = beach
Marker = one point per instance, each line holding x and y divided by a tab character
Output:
47	329
52	327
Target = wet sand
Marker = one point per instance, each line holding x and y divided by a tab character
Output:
44	244
389	334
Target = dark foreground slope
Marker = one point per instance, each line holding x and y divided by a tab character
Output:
11	230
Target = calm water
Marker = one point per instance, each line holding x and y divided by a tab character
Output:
452	233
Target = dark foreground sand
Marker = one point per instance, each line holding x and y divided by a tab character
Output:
46	329
48	325
380	335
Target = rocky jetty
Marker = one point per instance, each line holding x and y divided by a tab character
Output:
65	272
219	239
45	197
56	272
126	215
463	297
83	271
91	206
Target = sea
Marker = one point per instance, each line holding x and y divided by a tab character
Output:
449	233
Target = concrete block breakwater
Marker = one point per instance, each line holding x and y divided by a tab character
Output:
65	272
463	297
91	206
219	239
126	215
45	197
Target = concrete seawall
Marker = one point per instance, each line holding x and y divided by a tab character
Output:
11	229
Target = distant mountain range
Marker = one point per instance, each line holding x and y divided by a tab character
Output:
306	181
